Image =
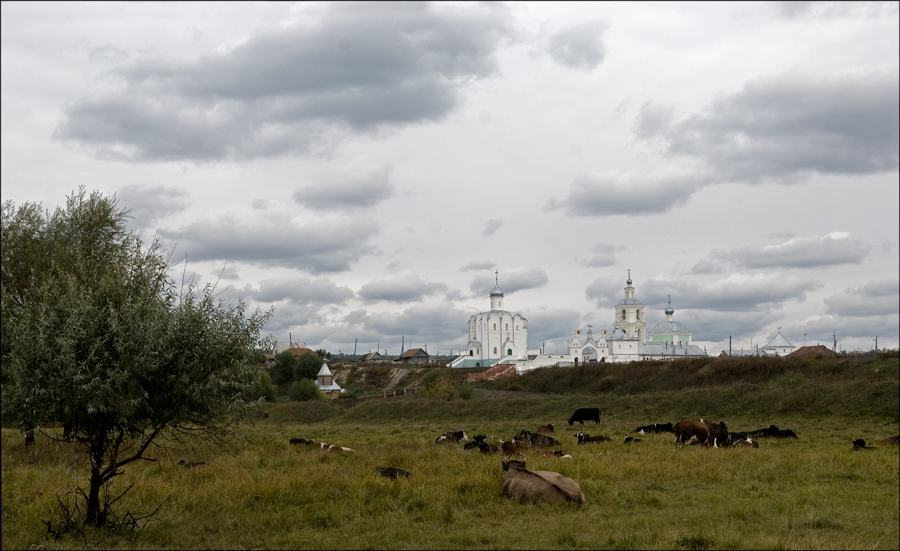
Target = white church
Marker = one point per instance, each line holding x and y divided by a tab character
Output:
500	337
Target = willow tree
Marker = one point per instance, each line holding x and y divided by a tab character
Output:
98	339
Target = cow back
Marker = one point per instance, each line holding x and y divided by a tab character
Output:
524	485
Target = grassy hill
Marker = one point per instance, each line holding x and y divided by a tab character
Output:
863	386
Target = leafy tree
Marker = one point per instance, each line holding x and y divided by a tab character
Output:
305	390
96	337
283	370
307	366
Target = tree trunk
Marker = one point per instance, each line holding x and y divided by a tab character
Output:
93	499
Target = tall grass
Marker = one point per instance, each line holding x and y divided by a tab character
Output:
261	492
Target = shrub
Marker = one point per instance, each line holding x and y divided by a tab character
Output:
465	391
305	390
264	388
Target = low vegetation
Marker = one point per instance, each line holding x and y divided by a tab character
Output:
259	491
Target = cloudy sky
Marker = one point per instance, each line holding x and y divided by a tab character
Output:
366	168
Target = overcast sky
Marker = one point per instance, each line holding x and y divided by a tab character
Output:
366	168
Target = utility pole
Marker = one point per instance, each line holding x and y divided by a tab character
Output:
876	343
834	346
804	339
354	346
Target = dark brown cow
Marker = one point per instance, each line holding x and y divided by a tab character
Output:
706	432
539	440
525	485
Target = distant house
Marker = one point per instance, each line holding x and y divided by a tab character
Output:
778	346
325	381
813	352
373	357
413	356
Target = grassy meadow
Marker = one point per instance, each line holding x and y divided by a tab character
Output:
259	492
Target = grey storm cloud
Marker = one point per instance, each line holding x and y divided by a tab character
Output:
833	249
875	298
315	247
403	287
601	195
604	255
780	128
735	293
550	324
355	192
515	279
301	291
427	322
475	266
491	226
149	203
579	46
294	90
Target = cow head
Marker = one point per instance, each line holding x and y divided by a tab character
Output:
514	463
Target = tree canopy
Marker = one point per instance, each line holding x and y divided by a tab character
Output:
97	337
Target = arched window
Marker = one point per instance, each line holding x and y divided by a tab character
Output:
507	326
638	314
509	351
471	352
495	328
495	350
623	314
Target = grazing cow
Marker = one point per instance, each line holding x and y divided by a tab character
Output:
539	440
524	485
29	437
545	429
655	428
585	414
895	440
451	437
584	438
631	440
707	433
860	444
296	441
392	472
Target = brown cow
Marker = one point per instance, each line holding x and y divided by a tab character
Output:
525	485
546	430
895	440
707	433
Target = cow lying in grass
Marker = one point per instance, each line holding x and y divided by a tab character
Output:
539	440
451	437
890	440
320	445
585	438
516	448
524	485
483	447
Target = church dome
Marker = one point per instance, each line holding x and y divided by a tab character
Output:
669	327
496	291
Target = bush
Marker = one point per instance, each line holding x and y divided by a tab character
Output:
305	390
264	388
465	391
440	388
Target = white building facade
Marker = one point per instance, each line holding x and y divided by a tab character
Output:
495	336
499	337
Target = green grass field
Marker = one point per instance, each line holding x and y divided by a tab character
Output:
260	492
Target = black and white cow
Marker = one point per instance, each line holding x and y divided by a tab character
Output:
655	428
451	437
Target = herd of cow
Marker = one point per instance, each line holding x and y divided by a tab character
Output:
520	483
